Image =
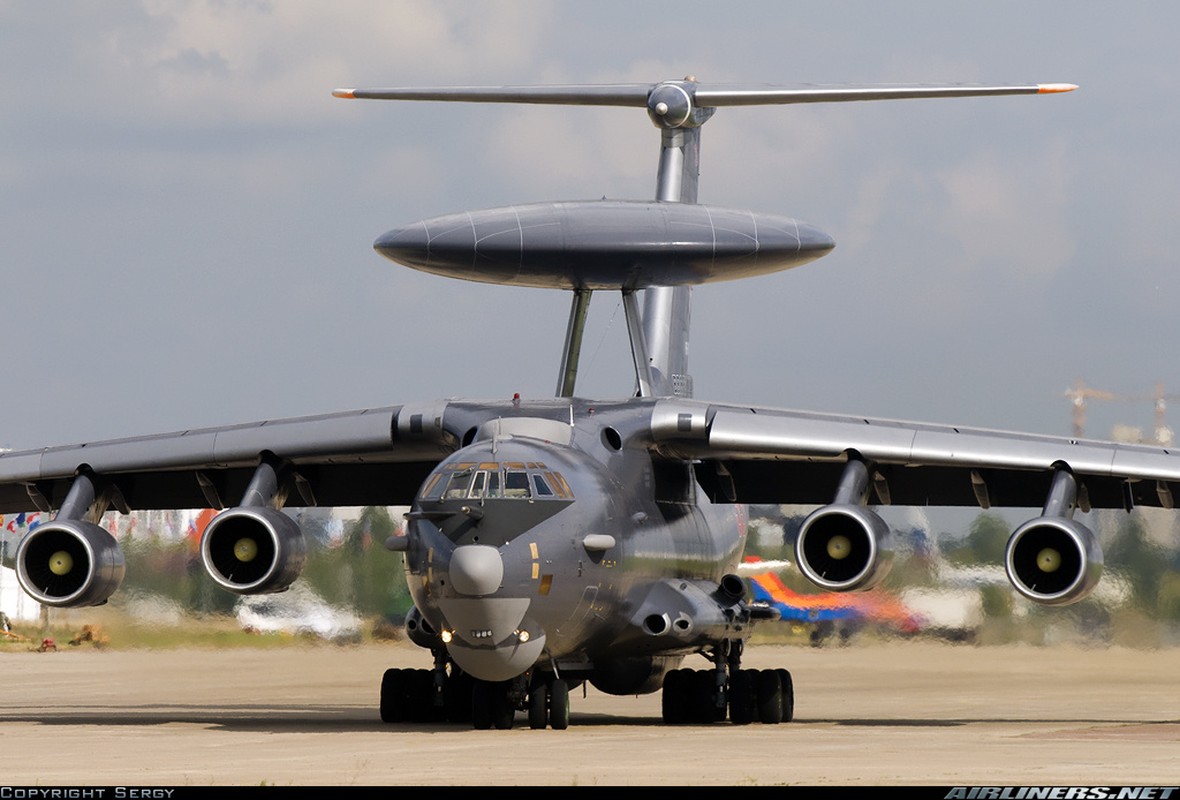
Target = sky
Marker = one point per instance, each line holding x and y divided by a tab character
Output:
187	214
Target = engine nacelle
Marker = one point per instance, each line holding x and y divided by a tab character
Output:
1053	560
253	550
844	547
69	563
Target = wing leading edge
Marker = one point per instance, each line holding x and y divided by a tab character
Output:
772	455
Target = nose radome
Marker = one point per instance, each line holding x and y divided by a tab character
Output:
476	570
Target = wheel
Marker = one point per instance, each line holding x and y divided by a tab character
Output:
481	705
559	705
770	697
741	697
538	706
674	696
703	694
457	697
420	696
788	685
718	699
501	706
393	707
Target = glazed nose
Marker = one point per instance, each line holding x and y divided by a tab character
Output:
476	570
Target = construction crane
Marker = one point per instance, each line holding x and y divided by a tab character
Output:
1080	394
1163	434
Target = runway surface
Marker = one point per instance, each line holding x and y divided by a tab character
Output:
890	714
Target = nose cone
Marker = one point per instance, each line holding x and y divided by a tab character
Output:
476	570
813	240
410	244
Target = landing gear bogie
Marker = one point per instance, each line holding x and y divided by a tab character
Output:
748	695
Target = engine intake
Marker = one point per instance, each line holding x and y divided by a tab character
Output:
69	563
253	550
1053	560
844	547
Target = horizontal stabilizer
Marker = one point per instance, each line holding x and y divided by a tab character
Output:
704	95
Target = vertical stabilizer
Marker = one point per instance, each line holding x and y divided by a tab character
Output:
666	309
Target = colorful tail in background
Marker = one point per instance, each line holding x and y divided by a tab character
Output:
874	606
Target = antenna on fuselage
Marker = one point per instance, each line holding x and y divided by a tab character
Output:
658	335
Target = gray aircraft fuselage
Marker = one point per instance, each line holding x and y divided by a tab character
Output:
546	534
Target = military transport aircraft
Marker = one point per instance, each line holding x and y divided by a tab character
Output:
564	541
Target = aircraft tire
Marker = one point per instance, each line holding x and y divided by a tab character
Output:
674	695
501	706
770	696
538	706
481	705
741	697
701	696
788	685
393	707
714	712
422	694
457	697
559	705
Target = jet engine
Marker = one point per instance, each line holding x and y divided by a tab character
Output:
1052	559
844	546
69	563
253	550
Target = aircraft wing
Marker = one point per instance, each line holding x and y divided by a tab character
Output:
365	457
745	454
767	455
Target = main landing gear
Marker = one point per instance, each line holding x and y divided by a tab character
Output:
747	695
447	694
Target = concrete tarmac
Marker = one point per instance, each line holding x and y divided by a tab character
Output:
902	713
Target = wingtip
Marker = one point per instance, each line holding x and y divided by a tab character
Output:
347	94
1053	88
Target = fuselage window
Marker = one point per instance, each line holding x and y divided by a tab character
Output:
516	484
542	488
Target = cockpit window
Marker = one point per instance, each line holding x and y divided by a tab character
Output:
542	488
516	484
491	480
430	486
458	484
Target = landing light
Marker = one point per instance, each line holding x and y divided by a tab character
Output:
522	636
445	636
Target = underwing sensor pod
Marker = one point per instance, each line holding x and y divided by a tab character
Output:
1053	559
845	546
